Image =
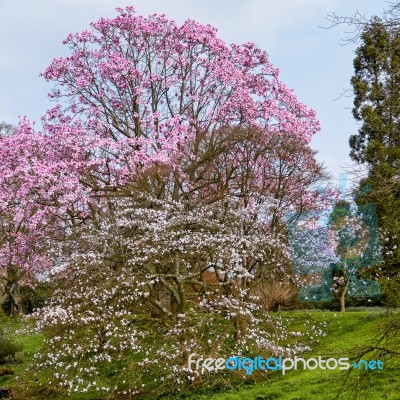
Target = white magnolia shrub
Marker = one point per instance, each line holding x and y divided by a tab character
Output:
147	284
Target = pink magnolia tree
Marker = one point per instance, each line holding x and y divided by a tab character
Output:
40	197
151	92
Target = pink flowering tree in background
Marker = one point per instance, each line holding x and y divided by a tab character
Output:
41	200
152	92
167	155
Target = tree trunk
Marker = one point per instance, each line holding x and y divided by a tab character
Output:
343	294
13	293
343	301
12	287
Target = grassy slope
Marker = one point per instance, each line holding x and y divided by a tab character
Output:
345	332
30	345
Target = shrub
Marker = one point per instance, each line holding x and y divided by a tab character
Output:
273	295
8	349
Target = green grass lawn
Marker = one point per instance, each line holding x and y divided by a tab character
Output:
345	332
30	344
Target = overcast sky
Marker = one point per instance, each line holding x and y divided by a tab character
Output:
310	59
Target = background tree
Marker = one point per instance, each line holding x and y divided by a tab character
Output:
376	85
150	91
331	250
40	200
5	129
376	147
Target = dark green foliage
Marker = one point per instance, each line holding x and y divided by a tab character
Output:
376	86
